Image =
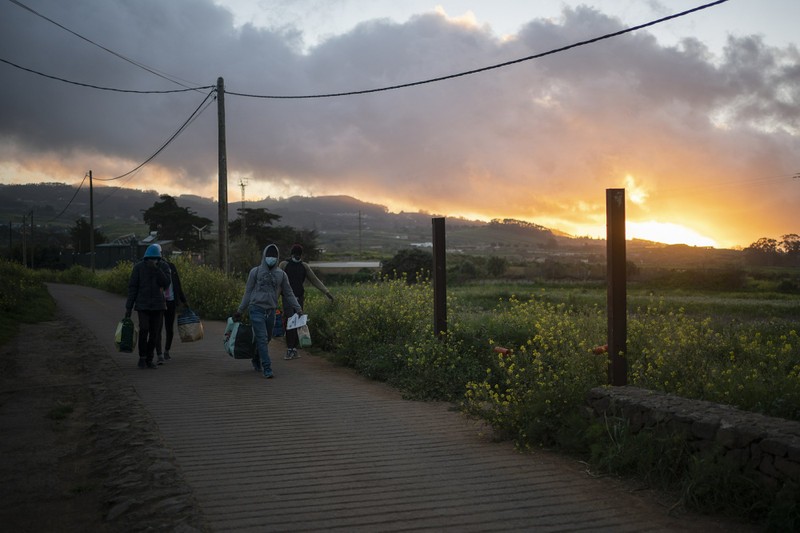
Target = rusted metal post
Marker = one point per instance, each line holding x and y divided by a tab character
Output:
439	279
617	291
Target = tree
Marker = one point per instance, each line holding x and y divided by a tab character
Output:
790	244
259	228
176	223
496	266
80	234
411	263
257	224
763	252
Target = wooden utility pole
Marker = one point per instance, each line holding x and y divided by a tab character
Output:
223	178
91	222
32	241
617	291
22	231
439	279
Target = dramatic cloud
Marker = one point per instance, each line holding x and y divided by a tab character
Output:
706	141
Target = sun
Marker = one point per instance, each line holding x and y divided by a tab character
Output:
667	233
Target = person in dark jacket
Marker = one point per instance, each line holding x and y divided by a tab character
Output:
172	295
299	271
149	279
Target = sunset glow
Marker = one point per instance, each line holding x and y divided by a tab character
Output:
667	233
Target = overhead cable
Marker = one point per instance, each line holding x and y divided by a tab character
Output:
191	118
100	87
70	200
483	69
131	61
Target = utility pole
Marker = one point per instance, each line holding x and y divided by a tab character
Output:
243	184
22	234
31	238
359	235
223	177
91	222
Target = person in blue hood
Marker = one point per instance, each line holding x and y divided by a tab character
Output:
149	278
265	285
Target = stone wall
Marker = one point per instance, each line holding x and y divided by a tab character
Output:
767	448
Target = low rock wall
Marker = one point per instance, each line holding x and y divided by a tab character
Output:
764	447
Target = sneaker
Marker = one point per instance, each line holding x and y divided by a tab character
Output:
295	355
160	359
152	365
288	354
141	363
166	355
269	375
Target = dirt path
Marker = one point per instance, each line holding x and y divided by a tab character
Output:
78	450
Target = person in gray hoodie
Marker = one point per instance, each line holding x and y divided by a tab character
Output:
265	284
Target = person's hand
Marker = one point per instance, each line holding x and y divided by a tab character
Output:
127	313
299	312
237	316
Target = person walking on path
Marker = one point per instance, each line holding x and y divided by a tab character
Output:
146	288
172	295
265	284
299	271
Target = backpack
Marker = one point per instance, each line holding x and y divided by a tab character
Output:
239	340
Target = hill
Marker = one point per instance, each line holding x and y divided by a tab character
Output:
346	226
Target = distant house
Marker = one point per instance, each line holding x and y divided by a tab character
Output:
125	248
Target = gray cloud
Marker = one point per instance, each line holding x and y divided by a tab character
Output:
541	139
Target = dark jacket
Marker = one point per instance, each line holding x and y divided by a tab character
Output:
177	289
146	286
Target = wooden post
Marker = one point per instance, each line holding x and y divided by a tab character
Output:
439	279
616	276
223	177
91	222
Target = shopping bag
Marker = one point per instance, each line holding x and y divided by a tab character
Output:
277	330
125	336
304	336
190	328
239	340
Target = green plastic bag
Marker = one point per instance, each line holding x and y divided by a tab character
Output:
125	336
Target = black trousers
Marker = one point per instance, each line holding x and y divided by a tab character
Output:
292	340
150	323
169	327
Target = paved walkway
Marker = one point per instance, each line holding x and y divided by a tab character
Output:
321	448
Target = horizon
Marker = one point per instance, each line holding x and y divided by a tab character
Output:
237	203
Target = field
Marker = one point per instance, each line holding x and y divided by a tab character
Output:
738	347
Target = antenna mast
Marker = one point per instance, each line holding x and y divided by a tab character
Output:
243	184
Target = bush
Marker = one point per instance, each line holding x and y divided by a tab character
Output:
411	264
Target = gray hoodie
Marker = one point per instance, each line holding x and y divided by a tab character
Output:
265	285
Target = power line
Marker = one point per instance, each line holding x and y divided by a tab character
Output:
70	200
131	61
191	118
484	69
99	86
197	112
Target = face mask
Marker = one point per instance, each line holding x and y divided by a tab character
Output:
271	261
